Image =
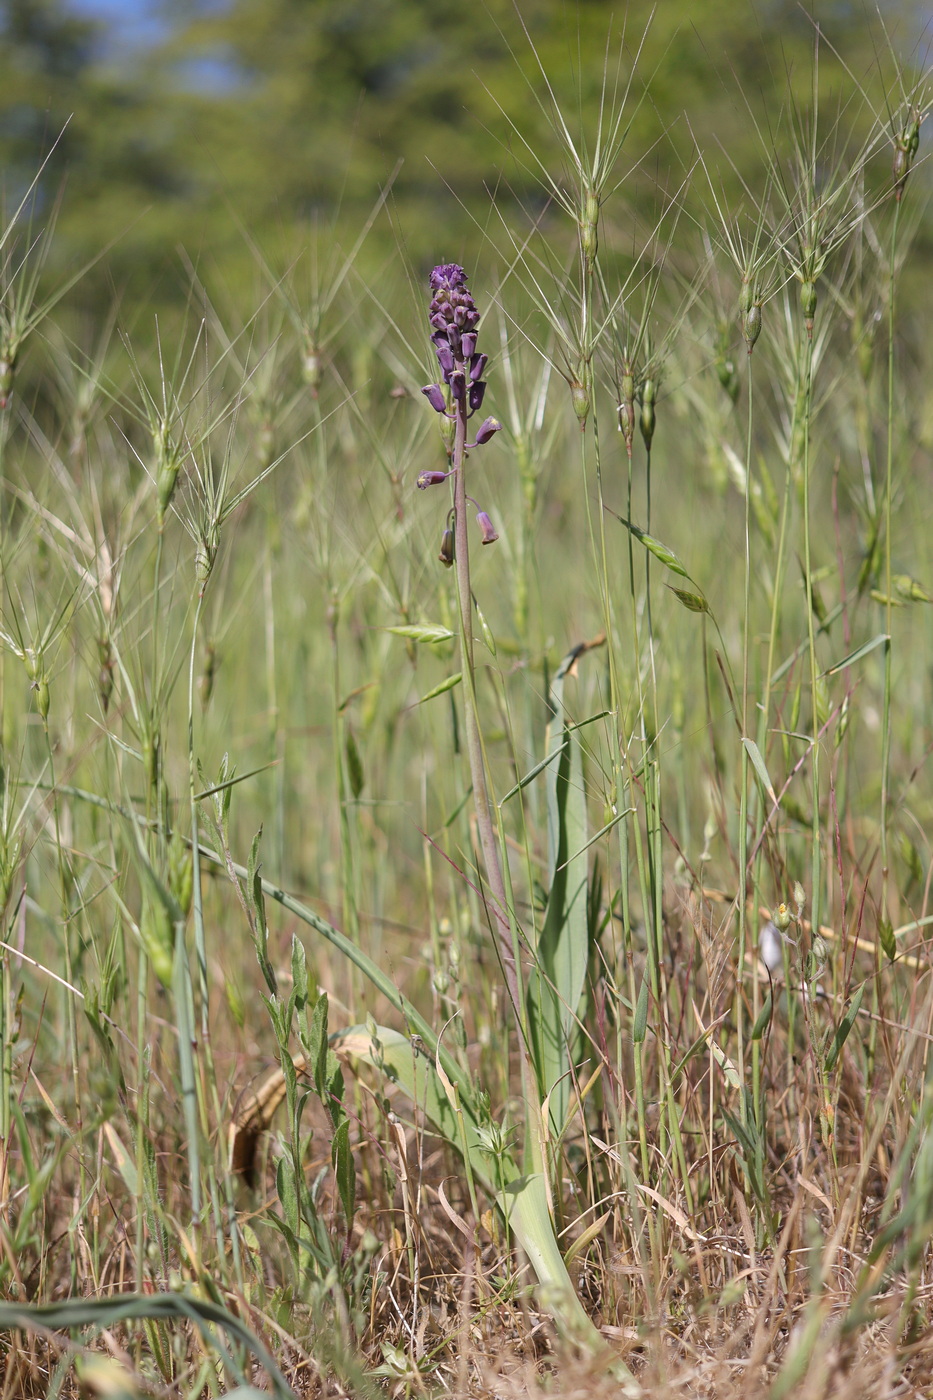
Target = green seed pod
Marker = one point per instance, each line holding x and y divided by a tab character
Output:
152	757
751	326
157	936
7	371
43	697
589	234
800	898
864	339
206	678
580	399
265	444
819	952
332	614
905	149
355	774
311	370
204	556
725	365
180	871
105	673
782	917
648	417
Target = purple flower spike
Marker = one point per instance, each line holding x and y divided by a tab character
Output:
487	527
487	429
477	391
427	479
477	363
447	275
435	397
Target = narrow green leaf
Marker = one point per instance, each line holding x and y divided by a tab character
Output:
758	764
344	1170
640	1027
427	632
843	1029
857	655
355	775
762	1020
441	689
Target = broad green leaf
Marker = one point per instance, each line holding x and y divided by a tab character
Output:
557	980
522	1199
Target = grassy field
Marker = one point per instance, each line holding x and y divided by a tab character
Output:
474	939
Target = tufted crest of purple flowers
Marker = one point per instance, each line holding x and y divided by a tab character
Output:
454	319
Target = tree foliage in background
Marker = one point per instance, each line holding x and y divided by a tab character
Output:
262	115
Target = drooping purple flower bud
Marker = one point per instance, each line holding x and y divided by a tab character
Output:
433	478
477	365
457	384
446	555
487	527
435	397
487	429
453	340
445	358
477	391
439	322
468	344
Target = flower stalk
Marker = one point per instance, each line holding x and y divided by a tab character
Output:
454	319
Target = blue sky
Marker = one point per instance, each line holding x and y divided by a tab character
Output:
131	23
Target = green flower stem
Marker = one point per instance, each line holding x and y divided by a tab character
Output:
487	833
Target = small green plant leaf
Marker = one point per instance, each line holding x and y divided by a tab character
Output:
442	689
843	1029
762	1020
344	1170
857	655
426	632
355	775
640	1026
886	939
761	770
